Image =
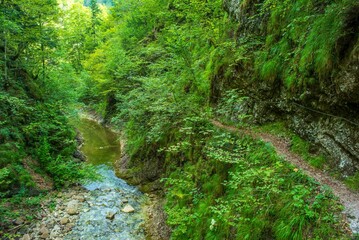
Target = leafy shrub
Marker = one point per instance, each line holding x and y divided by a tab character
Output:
230	108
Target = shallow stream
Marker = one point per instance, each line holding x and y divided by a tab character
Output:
113	209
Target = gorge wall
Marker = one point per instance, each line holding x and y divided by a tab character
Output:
299	64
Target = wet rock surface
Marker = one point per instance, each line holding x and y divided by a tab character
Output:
102	217
93	212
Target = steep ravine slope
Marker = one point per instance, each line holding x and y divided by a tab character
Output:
303	70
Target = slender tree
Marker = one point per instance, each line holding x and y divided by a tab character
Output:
75	35
95	21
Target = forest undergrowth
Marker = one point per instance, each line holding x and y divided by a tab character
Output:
159	70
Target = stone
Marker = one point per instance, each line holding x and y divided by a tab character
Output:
64	220
50	223
56	228
81	198
125	200
19	221
44	232
79	155
128	209
72	207
71	210
69	227
45	235
110	215
55	232
44	229
26	237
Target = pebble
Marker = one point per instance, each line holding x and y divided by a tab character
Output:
81	198
26	237
64	220
55	232
44	229
44	232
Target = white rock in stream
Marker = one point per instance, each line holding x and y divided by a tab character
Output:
128	209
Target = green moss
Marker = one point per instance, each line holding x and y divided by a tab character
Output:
277	128
290	80
304	38
353	181
271	69
302	147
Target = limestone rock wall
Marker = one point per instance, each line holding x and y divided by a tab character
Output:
327	114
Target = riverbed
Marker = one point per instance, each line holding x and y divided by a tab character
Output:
114	208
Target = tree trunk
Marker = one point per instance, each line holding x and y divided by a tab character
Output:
5	57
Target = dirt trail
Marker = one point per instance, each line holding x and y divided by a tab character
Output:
349	199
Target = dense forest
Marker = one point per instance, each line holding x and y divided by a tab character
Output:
164	72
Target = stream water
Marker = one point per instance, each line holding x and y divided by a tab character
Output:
113	209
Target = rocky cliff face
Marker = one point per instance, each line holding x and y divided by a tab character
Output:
325	113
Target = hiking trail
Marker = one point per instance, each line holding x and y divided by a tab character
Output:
348	198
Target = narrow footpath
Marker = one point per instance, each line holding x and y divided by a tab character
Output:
349	199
